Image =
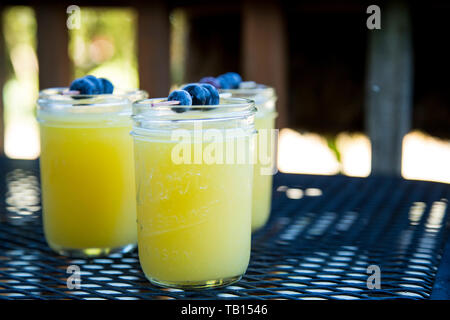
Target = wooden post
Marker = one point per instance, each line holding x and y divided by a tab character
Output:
52	46
154	48
264	46
389	87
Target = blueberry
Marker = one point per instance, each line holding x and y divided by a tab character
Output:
180	95
107	85
235	79
212	81
83	85
97	84
230	80
224	82
213	96
198	94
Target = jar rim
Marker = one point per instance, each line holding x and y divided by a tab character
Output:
263	96
259	89
53	100
228	108
55	92
55	96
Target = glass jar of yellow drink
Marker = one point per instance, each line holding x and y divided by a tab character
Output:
265	149
194	175
87	172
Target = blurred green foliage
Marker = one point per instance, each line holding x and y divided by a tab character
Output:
20	90
105	45
178	36
19	30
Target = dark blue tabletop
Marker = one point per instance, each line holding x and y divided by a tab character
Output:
441	288
326	237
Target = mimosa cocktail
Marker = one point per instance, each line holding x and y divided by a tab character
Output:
265	151
87	173
194	205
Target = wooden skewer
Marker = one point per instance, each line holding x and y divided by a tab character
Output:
162	103
70	92
165	103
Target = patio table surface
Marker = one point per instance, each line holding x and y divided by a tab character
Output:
323	234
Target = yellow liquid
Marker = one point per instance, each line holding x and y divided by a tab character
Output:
194	220
88	188
262	183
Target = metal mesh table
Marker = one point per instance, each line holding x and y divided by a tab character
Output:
323	234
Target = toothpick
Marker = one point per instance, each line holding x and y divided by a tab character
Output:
165	103
70	92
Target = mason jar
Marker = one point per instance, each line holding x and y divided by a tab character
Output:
194	175
87	172
265	149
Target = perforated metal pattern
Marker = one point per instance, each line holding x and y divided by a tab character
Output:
323	234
